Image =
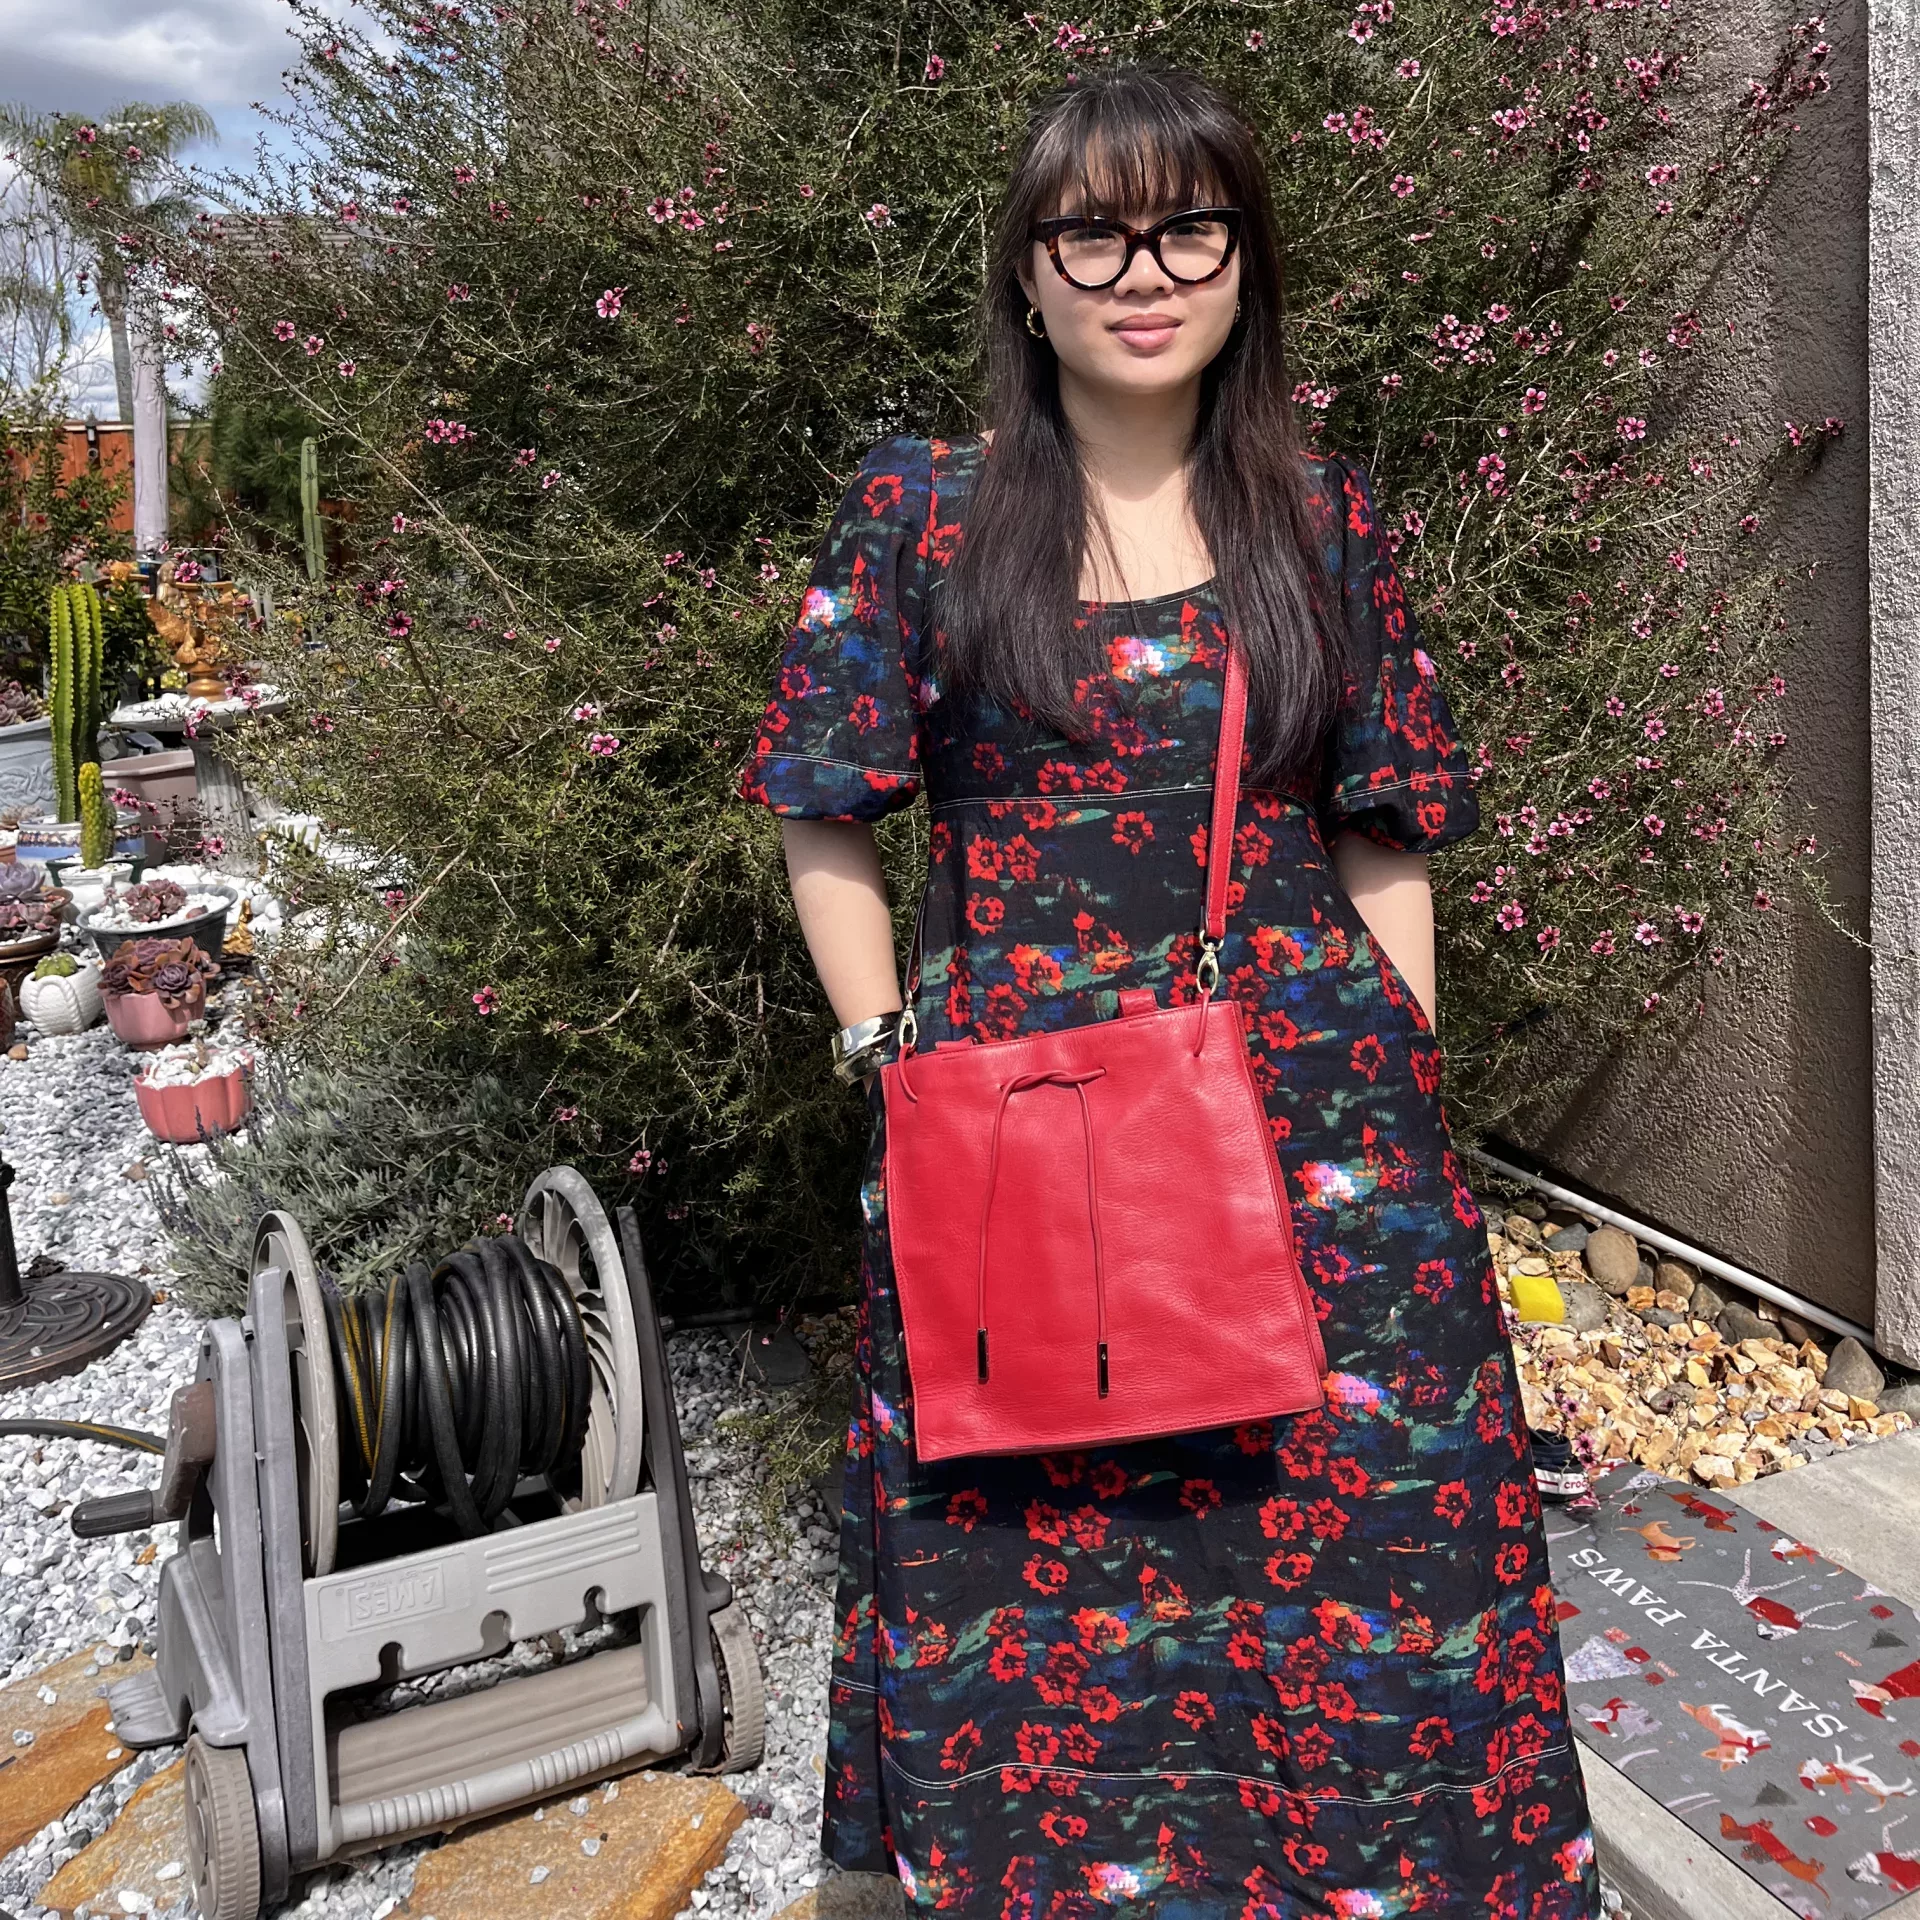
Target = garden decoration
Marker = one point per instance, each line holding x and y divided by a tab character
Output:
154	906
155	989
190	1092
237	947
55	1321
576	1484
198	621
76	649
62	994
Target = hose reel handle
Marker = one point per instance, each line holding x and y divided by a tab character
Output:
190	1449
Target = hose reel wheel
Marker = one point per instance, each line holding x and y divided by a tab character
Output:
279	1242
223	1832
562	1222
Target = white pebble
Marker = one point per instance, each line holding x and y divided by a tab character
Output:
577	1807
538	1875
132	1902
171	1871
47	1696
590	1845
22	1738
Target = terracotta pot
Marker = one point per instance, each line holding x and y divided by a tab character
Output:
185	1115
144	1020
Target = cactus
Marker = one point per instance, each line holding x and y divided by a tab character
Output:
312	531
97	822
66	796
89	661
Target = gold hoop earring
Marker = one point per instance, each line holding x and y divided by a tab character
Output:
1236	309
1033	315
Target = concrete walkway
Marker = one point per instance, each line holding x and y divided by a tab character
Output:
1860	1507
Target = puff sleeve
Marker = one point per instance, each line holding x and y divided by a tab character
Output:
839	739
1391	765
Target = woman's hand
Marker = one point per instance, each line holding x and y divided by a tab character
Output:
1395	899
840	895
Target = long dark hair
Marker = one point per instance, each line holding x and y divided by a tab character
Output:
1126	139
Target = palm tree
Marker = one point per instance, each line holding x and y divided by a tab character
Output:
107	177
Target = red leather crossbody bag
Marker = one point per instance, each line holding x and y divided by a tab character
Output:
1090	1232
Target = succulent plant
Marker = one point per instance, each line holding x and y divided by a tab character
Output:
21	918
170	968
18	705
19	879
57	966
154	900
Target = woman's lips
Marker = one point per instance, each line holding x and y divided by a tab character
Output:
1146	335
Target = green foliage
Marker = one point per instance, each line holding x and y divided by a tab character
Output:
96	818
45	524
75	649
593	393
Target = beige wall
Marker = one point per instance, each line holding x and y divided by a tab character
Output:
1754	1137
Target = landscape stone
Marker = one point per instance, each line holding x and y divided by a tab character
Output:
72	1748
1535	1210
150	1834
1737	1323
1522	1231
1902	1399
1850	1370
774	1357
1800	1331
1571	1239
636	1852
1675	1276
850	1896
1613	1259
1706	1300
1586	1306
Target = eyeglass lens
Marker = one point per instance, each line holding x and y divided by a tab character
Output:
1094	255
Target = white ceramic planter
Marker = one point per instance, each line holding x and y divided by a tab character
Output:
63	1003
26	766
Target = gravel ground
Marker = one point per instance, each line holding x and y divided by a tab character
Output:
73	1135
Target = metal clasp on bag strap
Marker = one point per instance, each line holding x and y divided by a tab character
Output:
1207	972
909	1029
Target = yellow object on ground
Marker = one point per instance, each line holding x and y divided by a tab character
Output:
1536	1296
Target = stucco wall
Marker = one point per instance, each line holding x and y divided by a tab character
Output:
1753	1136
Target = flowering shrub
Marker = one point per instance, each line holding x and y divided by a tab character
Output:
593	310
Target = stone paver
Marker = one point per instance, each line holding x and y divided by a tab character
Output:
633	1849
72	1749
849	1896
144	1852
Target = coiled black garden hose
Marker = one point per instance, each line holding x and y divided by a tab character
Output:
460	1380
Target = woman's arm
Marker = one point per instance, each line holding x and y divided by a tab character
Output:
1395	900
840	895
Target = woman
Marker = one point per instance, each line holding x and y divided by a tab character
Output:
1302	1667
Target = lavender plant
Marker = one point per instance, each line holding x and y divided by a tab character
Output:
592	306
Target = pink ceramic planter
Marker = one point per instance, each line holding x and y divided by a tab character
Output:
184	1115
143	1020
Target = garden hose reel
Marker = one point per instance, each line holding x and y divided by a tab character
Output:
285	1622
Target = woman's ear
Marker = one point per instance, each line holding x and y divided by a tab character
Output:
1024	274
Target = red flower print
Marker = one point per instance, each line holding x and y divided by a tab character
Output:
984	858
1008	1660
1059	1679
1430	1736
1275	947
1193	1709
1258	1797
1433	1280
1255	1438
1044	1522
1367	1056
1064	1469
1023	858
865	714
1037	972
1328	1519
1340	1625
1060	1827
883	491
1426	1062
939	843
1269	1735
1197	840
1005	1005
1163	1599
1281	1518
985	912
1305	1856
1108	1479
1199	1497
1305	1454
966	1508
1246	1650
1044	1575
1530	1822
988	761
1253	848
1312	1745
1287	1570
1036	1743
959	1747
1349	1477
1089	1526
931	1644
1100	1703
1514	1501
1099	1630
1132	831
1510	1563
1081	1742
1452	1501
1335	1701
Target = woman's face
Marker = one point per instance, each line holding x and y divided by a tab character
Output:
1149	332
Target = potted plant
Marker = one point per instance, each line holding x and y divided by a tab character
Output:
161	906
189	1092
30	917
62	994
26	750
155	989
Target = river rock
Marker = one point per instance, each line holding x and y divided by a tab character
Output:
1850	1370
1738	1322
1530	1208
1799	1331
1571	1239
1675	1276
1706	1300
1902	1399
1586	1306
1522	1231
1613	1259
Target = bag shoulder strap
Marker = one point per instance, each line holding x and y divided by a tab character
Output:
1226	803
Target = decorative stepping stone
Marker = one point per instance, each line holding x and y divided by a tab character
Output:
775	1358
143	1854
55	1751
633	1850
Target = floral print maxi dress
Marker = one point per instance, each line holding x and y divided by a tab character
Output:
1305	1667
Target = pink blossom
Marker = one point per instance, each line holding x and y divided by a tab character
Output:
661	208
463	176
587	710
1677	559
1547	939
878	215
1407	70
640	1162
1631	427
486	999
1653	826
672	559
1647	934
348	368
1390	383
1689	922
1401	185
768	571
1512	916
936	69
1655	728
806	191
350	211
1256	40
1499	313
608	305
284	329
458	292
551	478
313	343
564	1115
757	337
604	744
1615	706
551	643
1534	400
1604	946
526	456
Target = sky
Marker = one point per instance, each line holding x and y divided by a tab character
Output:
86	56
